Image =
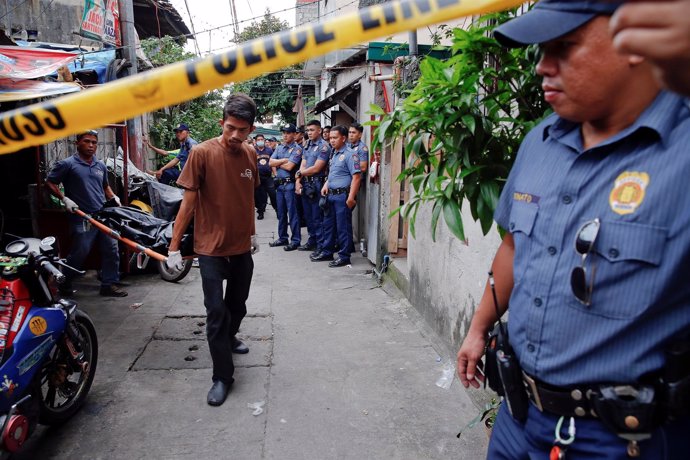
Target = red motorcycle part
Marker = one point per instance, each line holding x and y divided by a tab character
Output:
16	431
15	301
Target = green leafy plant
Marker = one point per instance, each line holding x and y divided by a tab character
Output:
462	124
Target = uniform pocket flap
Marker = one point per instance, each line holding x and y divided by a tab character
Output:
619	241
522	217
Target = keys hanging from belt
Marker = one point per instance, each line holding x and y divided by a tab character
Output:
560	445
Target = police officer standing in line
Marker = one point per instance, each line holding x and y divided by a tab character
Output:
594	264
266	189
309	184
341	189
272	143
287	159
326	133
354	138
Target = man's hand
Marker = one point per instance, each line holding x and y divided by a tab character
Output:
158	173
298	188
324	190
174	260
351	203
117	200
255	245
70	205
469	355
660	32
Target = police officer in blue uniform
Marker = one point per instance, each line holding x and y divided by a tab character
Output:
287	159
311	177
266	189
354	137
341	189
169	172
594	263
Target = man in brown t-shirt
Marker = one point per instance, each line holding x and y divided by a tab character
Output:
219	181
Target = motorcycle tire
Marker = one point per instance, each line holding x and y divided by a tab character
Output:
75	387
173	275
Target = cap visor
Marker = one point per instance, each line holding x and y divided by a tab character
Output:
540	25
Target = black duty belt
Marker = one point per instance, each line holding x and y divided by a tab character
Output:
569	402
284	180
312	178
338	191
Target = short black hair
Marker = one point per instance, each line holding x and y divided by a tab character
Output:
328	127
314	123
357	126
259	136
240	106
341	129
91	132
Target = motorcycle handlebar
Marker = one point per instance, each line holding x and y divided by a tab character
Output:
47	267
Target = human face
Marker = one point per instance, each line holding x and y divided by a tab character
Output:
87	145
288	137
326	134
583	75
353	135
337	140
314	132
182	135
235	132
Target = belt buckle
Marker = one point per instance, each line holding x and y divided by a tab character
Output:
532	386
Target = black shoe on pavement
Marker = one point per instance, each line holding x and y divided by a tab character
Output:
239	346
314	254
217	394
307	247
113	291
321	257
291	247
276	243
339	263
260	216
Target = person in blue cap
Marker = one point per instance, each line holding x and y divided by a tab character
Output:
593	265
340	188
287	159
169	172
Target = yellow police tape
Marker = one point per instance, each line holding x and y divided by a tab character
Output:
126	98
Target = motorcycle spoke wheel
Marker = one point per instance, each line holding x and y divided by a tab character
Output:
63	387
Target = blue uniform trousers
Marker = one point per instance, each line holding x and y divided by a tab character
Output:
511	440
265	191
287	207
169	176
314	218
83	239
338	225
224	311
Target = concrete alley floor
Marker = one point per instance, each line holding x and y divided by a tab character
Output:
345	371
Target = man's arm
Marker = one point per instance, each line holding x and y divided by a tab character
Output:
156	149
315	169
184	217
54	189
277	162
354	188
473	346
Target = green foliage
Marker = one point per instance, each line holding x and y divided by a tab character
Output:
201	114
462	124
272	97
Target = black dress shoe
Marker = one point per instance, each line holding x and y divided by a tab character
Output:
260	216
314	254
217	394
239	346
307	247
321	257
277	243
339	263
291	247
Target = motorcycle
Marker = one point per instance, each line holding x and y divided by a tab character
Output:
48	347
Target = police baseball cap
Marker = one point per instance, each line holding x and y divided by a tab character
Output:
272	139
182	127
551	19
289	128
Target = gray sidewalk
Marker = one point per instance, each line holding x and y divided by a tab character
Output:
345	371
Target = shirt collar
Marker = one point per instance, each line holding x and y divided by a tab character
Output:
660	117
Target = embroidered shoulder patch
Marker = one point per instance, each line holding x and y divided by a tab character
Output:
628	192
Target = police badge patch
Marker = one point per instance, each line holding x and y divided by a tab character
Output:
628	192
